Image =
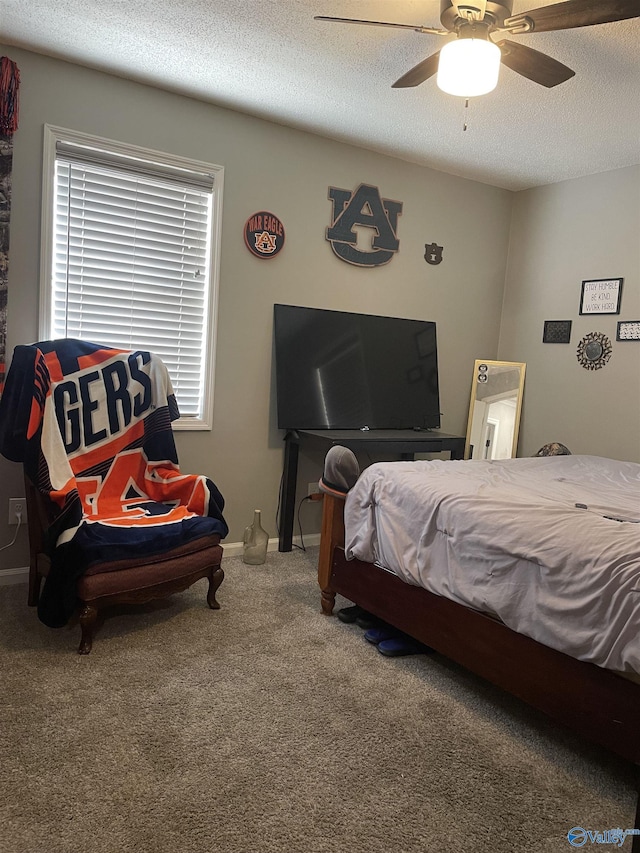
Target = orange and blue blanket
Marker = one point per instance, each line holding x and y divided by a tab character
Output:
92	427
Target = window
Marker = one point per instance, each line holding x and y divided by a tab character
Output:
131	256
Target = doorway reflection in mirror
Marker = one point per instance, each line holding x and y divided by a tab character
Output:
494	409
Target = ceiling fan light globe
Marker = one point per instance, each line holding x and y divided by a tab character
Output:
469	67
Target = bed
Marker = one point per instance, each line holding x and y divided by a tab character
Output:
524	571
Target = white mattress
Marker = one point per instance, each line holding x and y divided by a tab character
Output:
525	540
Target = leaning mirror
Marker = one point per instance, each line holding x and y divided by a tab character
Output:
494	410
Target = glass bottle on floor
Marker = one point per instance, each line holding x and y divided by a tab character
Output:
255	542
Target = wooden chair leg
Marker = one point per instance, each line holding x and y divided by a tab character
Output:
216	576
88	616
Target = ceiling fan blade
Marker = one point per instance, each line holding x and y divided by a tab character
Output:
575	13
534	65
416	28
419	73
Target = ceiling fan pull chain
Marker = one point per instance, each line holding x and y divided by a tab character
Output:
466	113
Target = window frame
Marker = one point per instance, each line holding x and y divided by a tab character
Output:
53	135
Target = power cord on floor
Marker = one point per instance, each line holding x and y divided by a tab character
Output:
301	547
279	503
13	541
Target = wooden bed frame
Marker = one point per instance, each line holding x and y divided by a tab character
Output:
591	701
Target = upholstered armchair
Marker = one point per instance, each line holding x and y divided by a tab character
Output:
112	520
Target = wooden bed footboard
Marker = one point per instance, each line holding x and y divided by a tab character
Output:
593	702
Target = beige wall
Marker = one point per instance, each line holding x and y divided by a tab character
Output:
288	172
562	234
557	236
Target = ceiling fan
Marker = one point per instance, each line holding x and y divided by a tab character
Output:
469	64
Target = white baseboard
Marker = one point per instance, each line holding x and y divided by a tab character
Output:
11	576
234	549
231	549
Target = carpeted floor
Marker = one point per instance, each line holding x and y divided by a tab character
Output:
267	727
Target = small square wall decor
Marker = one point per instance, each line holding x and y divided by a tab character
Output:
628	330
556	332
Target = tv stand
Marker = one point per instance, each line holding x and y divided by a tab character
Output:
394	442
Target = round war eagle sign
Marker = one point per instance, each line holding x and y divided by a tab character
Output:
264	234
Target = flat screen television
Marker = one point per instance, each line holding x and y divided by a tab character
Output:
339	370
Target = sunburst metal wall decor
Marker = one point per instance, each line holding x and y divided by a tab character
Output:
594	350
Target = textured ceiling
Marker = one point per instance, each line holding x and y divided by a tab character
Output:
271	59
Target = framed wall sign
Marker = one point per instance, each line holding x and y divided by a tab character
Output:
601	296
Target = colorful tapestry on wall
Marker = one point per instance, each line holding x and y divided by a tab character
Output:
9	82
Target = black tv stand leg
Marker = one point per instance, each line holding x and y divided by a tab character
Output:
289	480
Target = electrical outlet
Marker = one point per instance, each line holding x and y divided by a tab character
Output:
313	489
17	505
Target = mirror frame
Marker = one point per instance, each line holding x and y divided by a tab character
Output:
521	366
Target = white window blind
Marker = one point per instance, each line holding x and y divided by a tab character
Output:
131	260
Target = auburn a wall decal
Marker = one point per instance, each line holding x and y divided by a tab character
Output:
364	207
264	234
